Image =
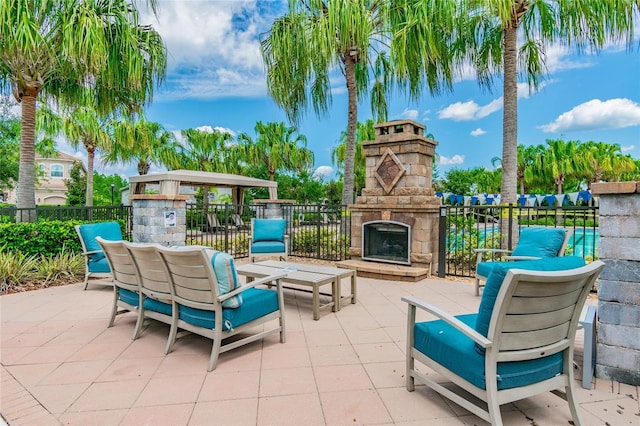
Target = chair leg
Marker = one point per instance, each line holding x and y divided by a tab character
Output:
494	411
215	350
477	284
573	406
173	331
86	281
114	308
410	380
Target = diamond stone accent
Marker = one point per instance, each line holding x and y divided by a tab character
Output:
389	170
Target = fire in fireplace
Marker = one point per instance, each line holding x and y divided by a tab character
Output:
386	241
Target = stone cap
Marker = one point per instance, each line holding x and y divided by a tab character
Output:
158	197
615	188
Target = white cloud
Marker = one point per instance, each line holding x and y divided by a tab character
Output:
470	110
596	114
478	132
411	114
220	129
456	159
627	148
323	172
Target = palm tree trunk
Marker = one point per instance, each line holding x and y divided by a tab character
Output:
90	156
352	122
26	197
510	117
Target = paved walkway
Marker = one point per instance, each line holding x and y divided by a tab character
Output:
62	365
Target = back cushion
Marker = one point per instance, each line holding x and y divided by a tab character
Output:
496	277
539	242
268	230
225	270
107	230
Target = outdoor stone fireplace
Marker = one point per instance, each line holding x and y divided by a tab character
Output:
397	206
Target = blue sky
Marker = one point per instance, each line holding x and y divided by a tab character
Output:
215	79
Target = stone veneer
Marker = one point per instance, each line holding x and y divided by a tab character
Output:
148	219
399	188
618	327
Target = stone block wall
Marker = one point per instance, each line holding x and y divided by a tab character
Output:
618	329
149	221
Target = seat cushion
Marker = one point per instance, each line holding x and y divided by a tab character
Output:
129	297
225	270
452	349
107	230
98	264
539	242
498	273
268	230
257	302
267	247
151	304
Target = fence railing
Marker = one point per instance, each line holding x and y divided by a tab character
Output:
315	230
466	228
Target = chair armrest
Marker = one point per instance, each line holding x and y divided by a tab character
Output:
523	258
451	320
480	252
252	284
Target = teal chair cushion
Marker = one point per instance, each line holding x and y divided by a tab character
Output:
151	304
257	302
268	230
497	275
129	297
98	264
225	270
539	242
268	247
107	230
452	349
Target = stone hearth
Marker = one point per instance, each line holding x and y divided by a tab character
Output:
398	188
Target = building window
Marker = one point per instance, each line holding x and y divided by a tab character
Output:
56	170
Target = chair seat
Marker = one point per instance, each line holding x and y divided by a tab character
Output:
256	303
268	247
100	265
129	297
452	349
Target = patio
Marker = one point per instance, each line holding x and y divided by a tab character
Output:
62	365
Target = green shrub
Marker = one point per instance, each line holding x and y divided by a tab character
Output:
40	238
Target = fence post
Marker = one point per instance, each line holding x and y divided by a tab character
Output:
226	227
442	242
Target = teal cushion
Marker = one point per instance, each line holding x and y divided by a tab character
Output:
257	302
455	351
268	230
268	247
227	278
151	304
539	242
98	264
107	230
129	297
497	275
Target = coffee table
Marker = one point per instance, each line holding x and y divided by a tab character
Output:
314	276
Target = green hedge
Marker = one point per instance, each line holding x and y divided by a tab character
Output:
42	237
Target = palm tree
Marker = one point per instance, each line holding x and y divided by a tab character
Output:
277	147
364	132
82	126
527	156
206	151
579	23
604	161
71	50
145	142
558	163
317	36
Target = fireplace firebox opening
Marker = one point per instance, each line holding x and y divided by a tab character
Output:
386	241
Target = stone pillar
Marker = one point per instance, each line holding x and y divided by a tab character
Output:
618	331
153	221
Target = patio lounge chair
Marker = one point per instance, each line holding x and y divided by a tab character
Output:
126	286
212	303
519	344
534	243
96	265
268	238
155	291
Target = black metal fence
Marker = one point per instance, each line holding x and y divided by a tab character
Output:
316	231
466	228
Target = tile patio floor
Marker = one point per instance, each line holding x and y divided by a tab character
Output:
62	365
